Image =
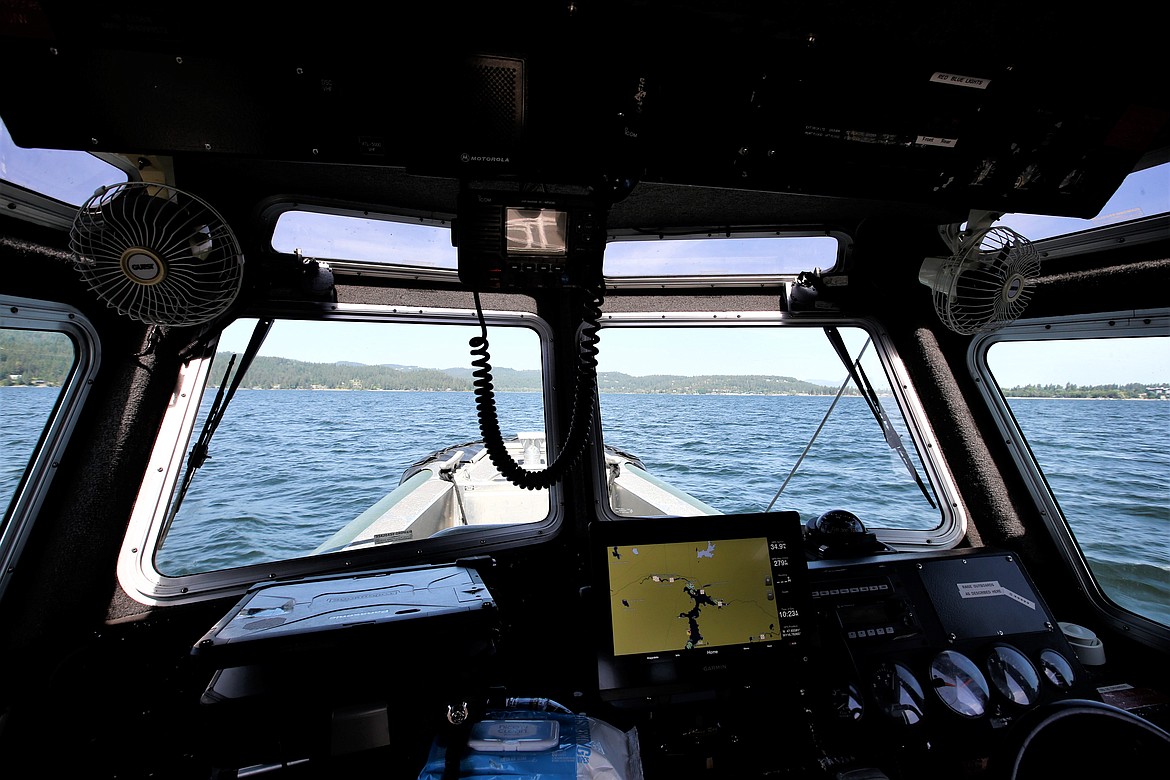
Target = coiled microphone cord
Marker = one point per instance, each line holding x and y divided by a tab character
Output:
581	420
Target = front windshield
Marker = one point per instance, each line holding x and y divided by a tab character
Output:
752	419
319	449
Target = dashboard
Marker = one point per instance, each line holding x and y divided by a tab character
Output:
936	654
913	665
721	641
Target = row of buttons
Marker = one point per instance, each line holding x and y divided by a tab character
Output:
868	632
845	591
529	268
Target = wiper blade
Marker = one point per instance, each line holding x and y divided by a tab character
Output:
875	406
199	452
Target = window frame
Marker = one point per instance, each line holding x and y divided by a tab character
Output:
276	210
1119	324
737	280
40	207
140	577
46	316
952	526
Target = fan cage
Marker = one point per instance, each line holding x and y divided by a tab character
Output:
990	285
119	232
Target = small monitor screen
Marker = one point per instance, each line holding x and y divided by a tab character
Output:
686	599
539	232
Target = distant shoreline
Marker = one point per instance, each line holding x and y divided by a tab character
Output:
635	392
1080	398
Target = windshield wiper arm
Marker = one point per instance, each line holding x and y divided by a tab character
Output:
199	454
875	406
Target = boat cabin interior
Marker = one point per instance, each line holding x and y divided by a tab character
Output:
581	389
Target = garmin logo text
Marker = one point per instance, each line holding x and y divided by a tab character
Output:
715	668
465	157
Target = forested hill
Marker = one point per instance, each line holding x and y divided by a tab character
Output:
284	374
506	379
28	358
1119	392
291	374
281	373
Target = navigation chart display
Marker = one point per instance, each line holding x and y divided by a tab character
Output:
688	598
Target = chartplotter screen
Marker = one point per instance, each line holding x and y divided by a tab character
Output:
687	597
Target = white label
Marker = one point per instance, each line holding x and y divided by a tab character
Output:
982	590
960	81
1115	688
930	140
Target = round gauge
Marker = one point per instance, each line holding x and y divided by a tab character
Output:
1057	669
898	693
1013	675
847	703
959	683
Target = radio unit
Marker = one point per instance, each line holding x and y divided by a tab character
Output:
524	240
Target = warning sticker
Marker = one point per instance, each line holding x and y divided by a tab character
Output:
979	590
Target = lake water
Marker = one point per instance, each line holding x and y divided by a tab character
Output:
1117	497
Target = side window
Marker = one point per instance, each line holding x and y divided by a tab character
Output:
353	435
1091	407
748	419
48	355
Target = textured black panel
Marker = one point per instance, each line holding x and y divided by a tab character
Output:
837	100
979	597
